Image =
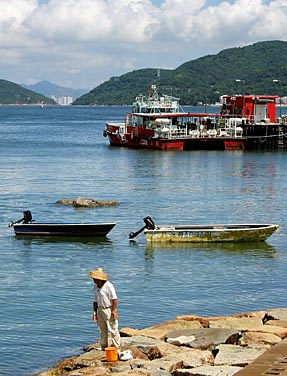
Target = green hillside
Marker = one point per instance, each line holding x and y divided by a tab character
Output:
203	79
11	93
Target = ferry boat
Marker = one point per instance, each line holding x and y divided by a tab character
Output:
158	122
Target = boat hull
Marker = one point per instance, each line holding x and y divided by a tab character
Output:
65	229
210	233
147	143
180	144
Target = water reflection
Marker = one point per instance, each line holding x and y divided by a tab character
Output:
254	249
29	240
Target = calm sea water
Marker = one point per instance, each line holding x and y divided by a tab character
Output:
45	293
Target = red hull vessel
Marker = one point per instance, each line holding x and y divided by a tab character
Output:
158	122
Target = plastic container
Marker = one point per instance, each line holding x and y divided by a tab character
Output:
111	354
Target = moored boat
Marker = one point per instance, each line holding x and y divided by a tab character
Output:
210	233
26	226
158	122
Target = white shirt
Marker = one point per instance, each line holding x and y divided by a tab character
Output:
105	295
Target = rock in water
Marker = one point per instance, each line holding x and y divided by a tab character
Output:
82	202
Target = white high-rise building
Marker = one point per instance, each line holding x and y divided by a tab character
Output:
65	101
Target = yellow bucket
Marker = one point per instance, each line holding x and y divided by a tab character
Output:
111	354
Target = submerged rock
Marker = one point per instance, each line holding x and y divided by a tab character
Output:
82	202
68	201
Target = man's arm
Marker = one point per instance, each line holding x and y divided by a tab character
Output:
114	309
95	317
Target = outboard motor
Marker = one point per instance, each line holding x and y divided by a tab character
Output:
27	216
149	224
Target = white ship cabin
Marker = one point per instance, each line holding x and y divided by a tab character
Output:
153	103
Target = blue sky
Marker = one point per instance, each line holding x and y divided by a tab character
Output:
82	43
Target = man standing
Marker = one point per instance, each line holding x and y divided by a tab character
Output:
105	308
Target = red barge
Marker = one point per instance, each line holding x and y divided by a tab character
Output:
158	122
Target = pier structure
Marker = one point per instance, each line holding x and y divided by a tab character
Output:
262	129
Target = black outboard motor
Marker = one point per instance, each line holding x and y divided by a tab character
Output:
149	224
27	216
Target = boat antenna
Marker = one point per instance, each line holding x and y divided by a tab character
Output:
157	79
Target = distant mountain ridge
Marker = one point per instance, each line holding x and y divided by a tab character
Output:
49	89
255	69
11	93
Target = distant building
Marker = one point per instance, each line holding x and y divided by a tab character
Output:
63	100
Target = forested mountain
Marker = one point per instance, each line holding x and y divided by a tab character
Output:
11	93
251	70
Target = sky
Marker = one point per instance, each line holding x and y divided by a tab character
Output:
83	43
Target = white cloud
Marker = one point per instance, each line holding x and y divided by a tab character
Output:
88	41
14	12
94	20
12	15
241	21
273	22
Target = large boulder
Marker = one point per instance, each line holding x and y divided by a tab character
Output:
239	323
277	314
204	338
259	339
233	355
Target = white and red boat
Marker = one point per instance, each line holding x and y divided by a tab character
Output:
158	122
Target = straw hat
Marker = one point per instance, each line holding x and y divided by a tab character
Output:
98	274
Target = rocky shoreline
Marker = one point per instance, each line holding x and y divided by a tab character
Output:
186	346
